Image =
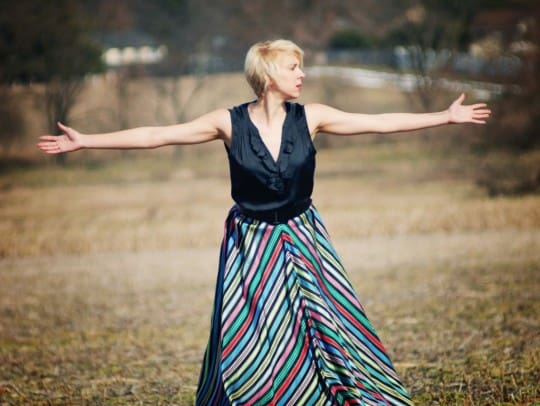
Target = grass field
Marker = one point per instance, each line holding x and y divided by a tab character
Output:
108	269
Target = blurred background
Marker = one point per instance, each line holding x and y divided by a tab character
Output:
105	65
108	258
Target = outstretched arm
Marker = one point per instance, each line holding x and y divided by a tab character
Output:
329	120
211	126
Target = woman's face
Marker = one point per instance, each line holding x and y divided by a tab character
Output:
288	78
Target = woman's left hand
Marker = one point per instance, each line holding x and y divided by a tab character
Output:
474	113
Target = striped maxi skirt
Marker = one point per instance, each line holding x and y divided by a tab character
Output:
287	326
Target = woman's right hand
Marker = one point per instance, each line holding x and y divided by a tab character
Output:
69	141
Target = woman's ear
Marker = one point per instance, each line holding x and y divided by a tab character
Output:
269	82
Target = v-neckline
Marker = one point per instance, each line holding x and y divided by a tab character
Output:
275	160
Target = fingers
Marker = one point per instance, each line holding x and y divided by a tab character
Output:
48	138
49	144
49	148
479	105
475	106
481	114
62	126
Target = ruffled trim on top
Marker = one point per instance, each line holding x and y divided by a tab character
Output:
276	182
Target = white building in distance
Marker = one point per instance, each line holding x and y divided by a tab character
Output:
130	48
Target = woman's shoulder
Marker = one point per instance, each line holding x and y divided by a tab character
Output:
315	107
239	108
316	114
318	111
314	110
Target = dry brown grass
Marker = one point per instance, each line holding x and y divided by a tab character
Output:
109	265
121	328
139	204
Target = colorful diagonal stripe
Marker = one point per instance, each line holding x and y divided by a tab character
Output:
287	327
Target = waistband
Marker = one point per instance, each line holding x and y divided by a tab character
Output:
278	216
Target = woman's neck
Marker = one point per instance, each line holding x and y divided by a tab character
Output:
268	108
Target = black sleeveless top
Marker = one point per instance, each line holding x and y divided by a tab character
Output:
258	182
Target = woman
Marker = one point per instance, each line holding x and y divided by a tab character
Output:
287	326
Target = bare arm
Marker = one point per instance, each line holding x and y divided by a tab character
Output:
209	127
327	119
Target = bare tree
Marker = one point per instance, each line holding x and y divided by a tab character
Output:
47	44
60	96
11	121
431	34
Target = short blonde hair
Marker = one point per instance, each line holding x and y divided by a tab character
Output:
261	61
